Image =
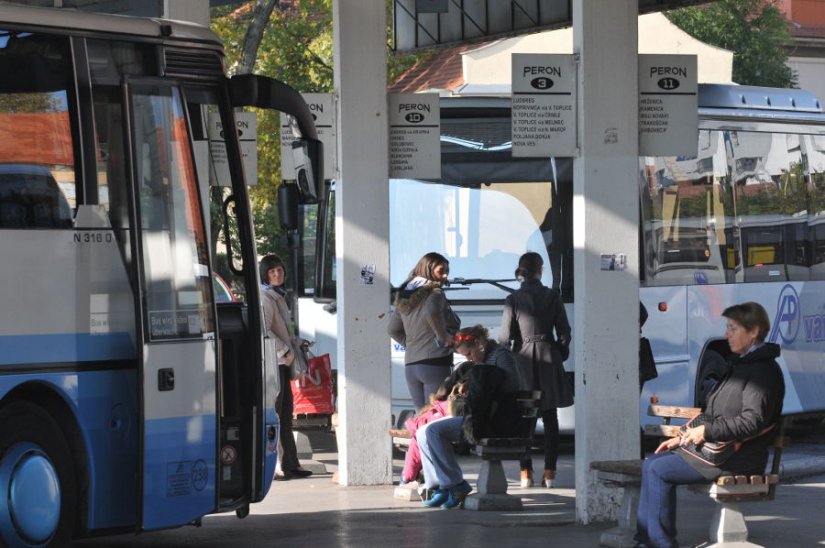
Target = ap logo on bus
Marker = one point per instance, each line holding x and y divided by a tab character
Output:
786	322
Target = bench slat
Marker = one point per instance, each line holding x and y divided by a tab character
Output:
673	411
661	430
400	433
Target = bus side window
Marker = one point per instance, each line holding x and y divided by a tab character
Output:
771	206
37	176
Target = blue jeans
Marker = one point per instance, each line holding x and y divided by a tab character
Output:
656	518
438	460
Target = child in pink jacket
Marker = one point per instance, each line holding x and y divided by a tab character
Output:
412	462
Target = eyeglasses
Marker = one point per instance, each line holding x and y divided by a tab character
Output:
464	337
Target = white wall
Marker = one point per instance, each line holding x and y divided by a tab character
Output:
811	74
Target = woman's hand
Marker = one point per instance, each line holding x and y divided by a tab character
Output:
288	358
693	436
667	445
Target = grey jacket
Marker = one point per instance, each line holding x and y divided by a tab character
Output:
421	317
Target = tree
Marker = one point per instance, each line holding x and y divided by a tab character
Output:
755	30
290	40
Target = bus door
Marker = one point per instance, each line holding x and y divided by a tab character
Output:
178	396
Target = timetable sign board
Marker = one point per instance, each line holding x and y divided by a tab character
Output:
247	128
544	105
415	136
322	107
668	105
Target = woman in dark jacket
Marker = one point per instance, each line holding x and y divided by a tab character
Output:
486	387
424	323
744	407
531	316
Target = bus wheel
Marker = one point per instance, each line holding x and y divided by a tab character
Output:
713	369
37	484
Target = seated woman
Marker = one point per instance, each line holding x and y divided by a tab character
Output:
489	375
743	407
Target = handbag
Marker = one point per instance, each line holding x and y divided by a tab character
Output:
714	453
313	391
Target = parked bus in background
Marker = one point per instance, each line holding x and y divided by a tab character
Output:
129	399
741	220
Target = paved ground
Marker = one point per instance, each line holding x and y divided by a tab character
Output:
317	512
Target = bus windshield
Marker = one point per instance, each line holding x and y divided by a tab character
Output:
482	230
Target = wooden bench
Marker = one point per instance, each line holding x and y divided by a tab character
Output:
728	524
491	489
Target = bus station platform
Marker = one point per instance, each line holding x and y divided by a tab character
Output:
318	512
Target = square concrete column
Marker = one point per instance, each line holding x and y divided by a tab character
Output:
362	236
605	219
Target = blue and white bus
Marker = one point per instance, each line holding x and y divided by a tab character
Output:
740	220
129	399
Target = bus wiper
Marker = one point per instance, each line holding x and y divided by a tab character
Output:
469	281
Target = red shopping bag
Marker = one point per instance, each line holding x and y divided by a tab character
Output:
312	392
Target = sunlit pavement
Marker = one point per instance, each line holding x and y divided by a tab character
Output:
318	512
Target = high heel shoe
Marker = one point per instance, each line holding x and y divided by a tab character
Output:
527	479
547	479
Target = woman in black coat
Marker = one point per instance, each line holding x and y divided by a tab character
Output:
745	406
535	323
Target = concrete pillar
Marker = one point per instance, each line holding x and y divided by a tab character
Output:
362	235
605	217
196	11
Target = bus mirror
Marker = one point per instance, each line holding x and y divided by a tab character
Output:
308	158
288	206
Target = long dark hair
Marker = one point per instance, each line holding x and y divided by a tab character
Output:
426	265
529	266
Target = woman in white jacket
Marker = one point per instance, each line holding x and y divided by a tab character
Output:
289	350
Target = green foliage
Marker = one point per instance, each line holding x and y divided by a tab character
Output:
30	102
755	30
296	48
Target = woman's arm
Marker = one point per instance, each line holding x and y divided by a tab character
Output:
395	329
439	317
508	324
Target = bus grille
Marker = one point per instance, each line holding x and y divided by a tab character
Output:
192	64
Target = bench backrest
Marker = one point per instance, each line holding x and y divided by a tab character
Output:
528	403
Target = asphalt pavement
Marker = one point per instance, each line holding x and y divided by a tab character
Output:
318	512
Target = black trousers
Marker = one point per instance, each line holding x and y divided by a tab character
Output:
550	418
283	406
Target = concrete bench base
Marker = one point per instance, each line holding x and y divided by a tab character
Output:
492	489
491	502
624	474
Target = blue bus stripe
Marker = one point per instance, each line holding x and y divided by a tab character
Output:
65	348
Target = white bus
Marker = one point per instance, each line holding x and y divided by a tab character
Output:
130	399
740	220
